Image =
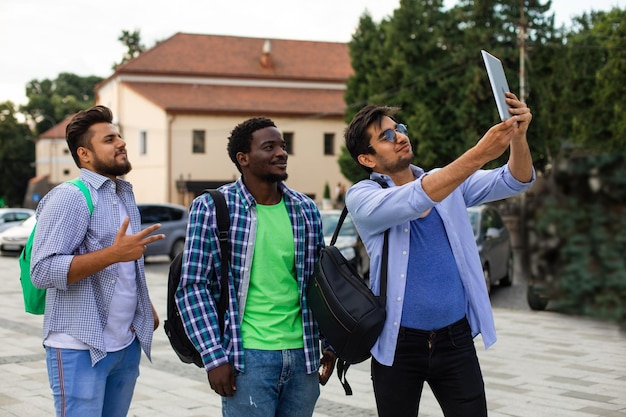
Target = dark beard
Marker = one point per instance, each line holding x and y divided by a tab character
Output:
275	177
110	169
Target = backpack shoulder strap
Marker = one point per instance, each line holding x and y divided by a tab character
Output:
223	226
82	187
384	261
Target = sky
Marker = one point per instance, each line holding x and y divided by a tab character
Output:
41	38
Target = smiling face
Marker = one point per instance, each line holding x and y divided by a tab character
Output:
267	159
106	152
388	157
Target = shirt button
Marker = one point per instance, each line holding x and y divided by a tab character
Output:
395	323
406	230
401	275
399	298
404	252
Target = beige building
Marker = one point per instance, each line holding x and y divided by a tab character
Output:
176	104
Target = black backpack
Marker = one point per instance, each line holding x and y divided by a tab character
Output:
349	315
173	325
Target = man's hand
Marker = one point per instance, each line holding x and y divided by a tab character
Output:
522	114
125	248
131	247
222	380
155	315
327	366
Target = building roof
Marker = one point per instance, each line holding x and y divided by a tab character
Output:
57	131
190	73
187	54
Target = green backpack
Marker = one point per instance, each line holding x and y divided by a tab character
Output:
35	298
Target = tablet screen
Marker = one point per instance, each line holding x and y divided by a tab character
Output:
499	86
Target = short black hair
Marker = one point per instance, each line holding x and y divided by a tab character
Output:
241	136
77	131
356	135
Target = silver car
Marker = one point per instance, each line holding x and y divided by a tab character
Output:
13	239
494	245
10	217
173	219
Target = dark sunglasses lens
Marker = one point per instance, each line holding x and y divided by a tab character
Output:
390	135
402	129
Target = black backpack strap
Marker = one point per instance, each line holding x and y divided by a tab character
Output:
342	366
223	226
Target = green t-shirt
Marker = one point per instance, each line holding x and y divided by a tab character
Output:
273	319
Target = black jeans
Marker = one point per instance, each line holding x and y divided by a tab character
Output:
446	359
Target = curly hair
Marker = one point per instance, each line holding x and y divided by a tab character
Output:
77	132
356	135
241	136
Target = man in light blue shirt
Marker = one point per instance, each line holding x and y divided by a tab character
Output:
98	315
437	301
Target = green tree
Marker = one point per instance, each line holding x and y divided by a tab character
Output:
427	61
134	47
50	101
597	80
17	153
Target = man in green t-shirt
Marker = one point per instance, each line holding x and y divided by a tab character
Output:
268	361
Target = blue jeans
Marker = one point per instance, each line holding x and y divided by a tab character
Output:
275	384
81	390
446	359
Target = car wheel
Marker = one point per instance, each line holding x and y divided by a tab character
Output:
177	248
507	281
487	276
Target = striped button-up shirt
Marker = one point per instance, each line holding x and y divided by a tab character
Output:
199	284
65	229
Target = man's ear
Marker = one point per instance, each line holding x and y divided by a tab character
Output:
84	156
242	158
367	160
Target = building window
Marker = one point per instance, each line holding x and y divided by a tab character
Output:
329	143
288	137
143	142
198	141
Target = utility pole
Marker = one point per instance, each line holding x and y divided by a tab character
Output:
522	52
522	96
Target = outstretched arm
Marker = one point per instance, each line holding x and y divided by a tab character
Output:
511	132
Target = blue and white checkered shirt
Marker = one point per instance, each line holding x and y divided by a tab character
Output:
64	229
199	287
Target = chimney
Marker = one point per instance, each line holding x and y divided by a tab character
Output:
266	59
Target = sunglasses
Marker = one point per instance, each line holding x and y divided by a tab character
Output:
390	134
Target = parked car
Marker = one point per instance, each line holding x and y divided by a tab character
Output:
494	245
173	219
13	239
10	217
348	242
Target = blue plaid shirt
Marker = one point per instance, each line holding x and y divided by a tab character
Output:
199	287
65	229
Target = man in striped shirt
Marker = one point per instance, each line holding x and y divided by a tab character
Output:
98	315
267	362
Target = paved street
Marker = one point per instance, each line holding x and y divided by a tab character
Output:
544	364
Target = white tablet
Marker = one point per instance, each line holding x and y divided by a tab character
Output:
499	86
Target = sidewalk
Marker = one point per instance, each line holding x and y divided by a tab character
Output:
543	365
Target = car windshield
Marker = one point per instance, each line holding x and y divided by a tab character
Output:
329	223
